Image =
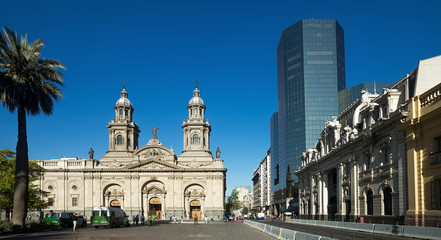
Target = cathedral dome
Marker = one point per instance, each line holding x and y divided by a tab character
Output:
196	99
123	99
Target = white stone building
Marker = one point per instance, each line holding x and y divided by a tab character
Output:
149	180
262	185
358	167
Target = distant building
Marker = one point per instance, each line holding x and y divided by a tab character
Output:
348	96
423	141
262	185
310	72
149	180
245	196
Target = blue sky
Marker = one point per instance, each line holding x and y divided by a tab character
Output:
161	48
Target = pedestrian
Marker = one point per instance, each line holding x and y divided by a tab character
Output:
134	219
75	219
150	220
137	219
142	219
195	218
211	218
182	220
206	219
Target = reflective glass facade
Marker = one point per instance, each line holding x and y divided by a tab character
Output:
274	132
310	72
349	95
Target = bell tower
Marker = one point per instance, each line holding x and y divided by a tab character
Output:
123	132
196	130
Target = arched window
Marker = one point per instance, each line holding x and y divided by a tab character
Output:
369	202
120	112
195	139
119	140
195	111
127	112
387	200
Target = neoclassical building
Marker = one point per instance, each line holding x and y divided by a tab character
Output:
359	167
149	180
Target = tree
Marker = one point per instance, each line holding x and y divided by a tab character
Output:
244	211
234	200
28	84
7	181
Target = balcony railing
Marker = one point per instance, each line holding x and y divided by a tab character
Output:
435	158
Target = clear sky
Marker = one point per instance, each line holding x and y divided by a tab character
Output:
161	47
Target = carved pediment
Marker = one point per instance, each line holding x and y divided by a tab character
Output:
153	165
154	190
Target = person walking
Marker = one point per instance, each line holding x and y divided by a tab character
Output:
142	219
75	220
195	219
150	220
206	219
137	219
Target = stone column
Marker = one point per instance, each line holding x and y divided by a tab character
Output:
312	197
163	207
319	195
339	189
355	211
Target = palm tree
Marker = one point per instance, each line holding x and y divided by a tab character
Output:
28	84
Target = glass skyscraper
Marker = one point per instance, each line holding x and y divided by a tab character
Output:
310	72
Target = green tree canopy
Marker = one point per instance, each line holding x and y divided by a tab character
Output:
7	181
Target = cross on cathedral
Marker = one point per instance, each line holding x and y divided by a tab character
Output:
196	83
124	83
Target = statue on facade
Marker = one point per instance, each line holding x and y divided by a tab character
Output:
154	132
91	153
218	152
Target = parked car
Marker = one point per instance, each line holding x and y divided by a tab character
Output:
109	216
64	219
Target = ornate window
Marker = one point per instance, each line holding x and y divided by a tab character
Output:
74	187
126	112
435	186
50	201
120	112
369	202
195	139
368	162
50	187
119	140
386	152
387	200
74	202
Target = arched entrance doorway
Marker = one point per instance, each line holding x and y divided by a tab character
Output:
195	209
115	203
155	207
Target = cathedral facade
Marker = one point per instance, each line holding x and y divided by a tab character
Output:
147	180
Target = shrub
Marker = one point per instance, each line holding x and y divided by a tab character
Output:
6	226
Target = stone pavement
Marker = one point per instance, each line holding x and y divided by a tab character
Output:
160	230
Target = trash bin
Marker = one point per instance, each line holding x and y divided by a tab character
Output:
361	219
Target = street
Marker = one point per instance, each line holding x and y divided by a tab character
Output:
160	230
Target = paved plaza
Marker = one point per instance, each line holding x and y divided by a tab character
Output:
161	230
